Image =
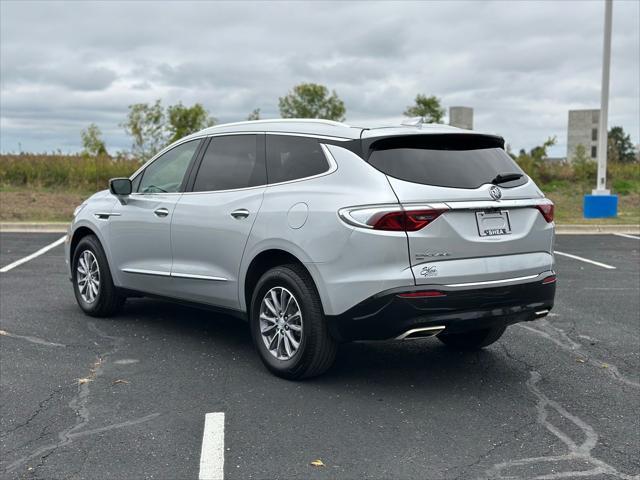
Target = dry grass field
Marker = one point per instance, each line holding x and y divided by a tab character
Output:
49	187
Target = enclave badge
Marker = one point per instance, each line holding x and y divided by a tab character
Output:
495	193
429	271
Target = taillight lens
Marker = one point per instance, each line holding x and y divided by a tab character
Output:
549	279
547	211
409	221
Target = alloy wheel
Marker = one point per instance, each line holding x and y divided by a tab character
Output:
88	276
281	323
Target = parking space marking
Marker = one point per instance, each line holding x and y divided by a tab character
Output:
29	338
586	260
626	235
212	453
45	249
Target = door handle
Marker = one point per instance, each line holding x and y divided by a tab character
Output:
161	212
240	213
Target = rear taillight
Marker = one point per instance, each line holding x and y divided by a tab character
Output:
549	279
408	221
547	211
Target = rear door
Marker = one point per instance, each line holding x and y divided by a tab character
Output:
211	222
481	214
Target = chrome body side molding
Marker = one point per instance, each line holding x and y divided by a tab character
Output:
142	271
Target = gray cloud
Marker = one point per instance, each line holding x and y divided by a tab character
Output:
521	65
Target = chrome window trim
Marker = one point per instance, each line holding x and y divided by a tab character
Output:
224	191
333	165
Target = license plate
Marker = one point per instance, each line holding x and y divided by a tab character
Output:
494	223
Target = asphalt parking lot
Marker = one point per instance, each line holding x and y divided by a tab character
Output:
126	398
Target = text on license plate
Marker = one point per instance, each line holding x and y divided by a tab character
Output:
493	223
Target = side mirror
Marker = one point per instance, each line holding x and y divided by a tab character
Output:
120	186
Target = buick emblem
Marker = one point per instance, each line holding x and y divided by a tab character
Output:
495	193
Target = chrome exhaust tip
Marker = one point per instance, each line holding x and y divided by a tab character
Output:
542	313
422	332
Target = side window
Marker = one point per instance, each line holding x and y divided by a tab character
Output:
231	162
290	158
165	174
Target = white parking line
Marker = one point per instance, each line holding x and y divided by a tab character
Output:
13	265
212	454
626	235
586	260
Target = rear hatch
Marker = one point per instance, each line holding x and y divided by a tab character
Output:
473	217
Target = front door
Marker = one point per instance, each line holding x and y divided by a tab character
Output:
211	223
140	225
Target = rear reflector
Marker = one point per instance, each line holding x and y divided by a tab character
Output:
547	211
408	221
549	279
422	294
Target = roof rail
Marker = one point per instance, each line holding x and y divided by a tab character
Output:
285	120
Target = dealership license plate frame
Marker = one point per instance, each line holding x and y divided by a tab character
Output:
484	215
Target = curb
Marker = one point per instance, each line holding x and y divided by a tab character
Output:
34	227
597	229
61	227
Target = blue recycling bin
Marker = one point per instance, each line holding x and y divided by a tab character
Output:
600	206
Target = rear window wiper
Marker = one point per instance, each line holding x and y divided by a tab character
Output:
506	177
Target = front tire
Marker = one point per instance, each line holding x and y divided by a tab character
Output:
472	340
288	326
93	285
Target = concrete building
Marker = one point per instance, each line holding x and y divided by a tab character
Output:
583	130
461	117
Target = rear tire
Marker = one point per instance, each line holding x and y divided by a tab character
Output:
472	340
93	285
293	341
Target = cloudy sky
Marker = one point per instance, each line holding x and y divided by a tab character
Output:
520	65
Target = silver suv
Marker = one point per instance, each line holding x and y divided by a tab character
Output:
318	233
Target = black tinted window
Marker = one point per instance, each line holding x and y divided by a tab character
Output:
289	158
231	162
165	174
444	162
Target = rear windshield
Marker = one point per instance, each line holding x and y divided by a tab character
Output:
457	161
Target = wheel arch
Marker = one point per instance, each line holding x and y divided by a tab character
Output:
266	260
83	230
78	234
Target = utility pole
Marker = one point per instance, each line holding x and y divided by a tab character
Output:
601	181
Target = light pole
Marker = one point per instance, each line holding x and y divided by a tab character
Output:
601	181
601	204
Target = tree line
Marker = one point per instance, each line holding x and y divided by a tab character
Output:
152	127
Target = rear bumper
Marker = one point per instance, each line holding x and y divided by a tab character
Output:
387	315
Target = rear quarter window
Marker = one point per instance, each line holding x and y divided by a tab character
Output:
292	158
454	160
